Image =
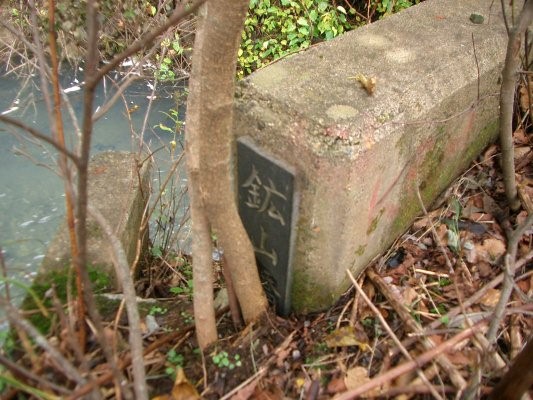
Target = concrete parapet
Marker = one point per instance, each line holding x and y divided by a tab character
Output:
120	191
359	158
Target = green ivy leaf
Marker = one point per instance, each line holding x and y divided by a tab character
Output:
129	14
156	251
341	9
302	21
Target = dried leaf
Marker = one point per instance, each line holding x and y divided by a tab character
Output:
272	392
356	377
337	385
520	136
526	199
491	298
491	249
489	155
481	217
409	295
461	358
520	151
525	96
367	83
484	268
348	336
246	392
182	390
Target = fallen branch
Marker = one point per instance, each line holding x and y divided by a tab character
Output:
519	377
513	238
475	298
408	320
392	335
65	366
419	361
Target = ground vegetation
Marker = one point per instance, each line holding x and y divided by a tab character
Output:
273	29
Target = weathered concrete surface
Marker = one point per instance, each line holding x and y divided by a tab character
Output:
360	158
120	191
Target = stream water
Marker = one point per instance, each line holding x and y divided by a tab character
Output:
31	195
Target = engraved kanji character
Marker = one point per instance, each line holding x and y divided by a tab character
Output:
269	205
253	183
262	248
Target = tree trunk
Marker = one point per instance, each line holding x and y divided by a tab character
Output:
209	121
518	379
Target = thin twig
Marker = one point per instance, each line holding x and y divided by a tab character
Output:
392	334
59	136
19	370
43	66
15	318
134	321
507	95
513	239
418	362
434	231
145	41
477	67
414	327
41	136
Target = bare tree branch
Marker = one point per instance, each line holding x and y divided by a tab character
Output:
519	377
41	136
17	369
134	321
69	370
422	359
513	239
507	94
179	13
394	338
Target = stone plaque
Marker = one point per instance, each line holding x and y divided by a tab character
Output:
267	206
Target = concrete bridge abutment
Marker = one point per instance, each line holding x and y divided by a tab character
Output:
357	158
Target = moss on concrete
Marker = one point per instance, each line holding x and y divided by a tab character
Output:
94	230
360	250
308	293
63	282
435	178
375	222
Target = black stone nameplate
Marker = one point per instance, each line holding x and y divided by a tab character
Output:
267	206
